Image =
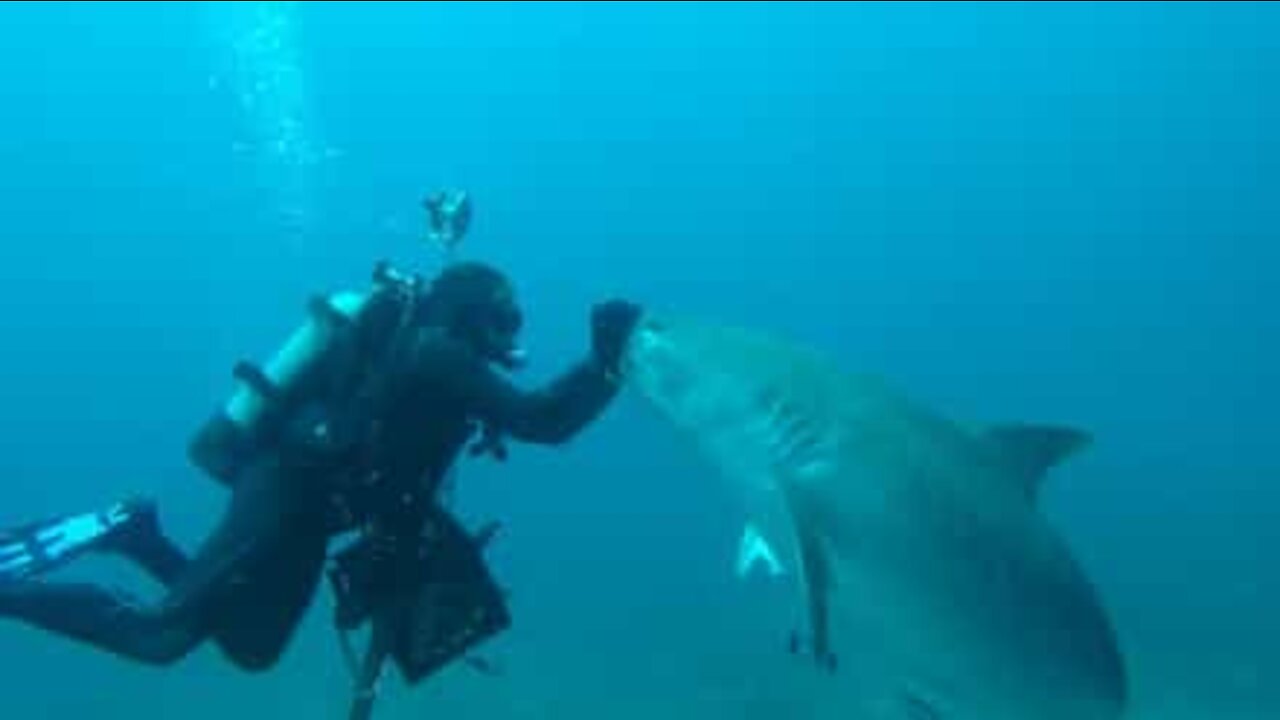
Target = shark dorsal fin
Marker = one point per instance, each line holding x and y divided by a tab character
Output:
1030	451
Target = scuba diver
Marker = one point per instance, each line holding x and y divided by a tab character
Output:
351	428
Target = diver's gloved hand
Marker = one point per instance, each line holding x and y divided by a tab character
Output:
612	323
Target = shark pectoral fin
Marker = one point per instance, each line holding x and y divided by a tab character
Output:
817	570
819	580
754	550
1031	450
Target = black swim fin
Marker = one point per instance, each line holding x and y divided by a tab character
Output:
43	546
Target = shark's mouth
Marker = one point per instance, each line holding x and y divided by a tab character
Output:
654	365
644	341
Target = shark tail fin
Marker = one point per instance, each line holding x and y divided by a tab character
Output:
1030	451
754	550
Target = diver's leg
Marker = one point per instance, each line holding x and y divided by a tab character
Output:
115	622
247	585
258	617
109	621
227	588
249	596
45	545
272	544
142	541
128	528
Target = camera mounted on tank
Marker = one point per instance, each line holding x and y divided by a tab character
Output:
449	214
385	276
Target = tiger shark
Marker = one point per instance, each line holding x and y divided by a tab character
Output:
918	534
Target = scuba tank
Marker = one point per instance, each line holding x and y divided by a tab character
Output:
265	398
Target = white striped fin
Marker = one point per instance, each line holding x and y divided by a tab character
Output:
754	550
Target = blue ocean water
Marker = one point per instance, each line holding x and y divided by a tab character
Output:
1058	212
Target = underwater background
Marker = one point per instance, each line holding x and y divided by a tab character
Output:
1060	213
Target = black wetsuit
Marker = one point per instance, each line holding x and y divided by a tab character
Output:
248	585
